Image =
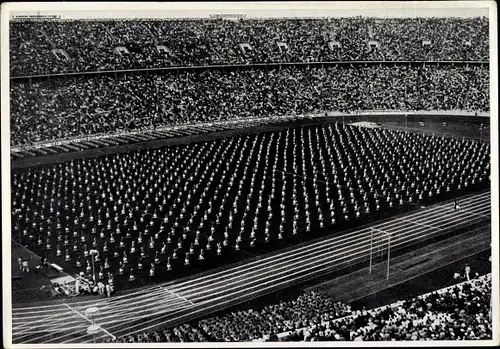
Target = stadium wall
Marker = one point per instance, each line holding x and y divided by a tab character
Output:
243	66
434	113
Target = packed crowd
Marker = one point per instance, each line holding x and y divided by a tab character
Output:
163	213
246	325
79	106
91	45
462	312
183	333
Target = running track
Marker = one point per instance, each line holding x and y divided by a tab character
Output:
176	302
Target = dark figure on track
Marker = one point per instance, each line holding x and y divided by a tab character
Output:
456	205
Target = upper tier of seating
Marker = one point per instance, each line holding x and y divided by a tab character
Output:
55	46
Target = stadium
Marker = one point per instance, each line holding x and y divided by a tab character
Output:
250	179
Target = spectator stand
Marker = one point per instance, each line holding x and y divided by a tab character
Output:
249	324
78	106
284	336
91	44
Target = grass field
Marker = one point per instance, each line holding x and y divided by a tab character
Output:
428	282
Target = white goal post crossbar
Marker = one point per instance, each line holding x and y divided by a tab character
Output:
388	235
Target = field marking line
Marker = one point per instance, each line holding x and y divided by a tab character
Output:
86	318
44	320
418	223
473	213
20	313
123	321
177	295
133	310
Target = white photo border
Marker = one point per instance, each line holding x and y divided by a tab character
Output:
294	9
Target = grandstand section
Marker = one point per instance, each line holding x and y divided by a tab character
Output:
107	45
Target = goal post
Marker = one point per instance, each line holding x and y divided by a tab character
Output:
373	231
